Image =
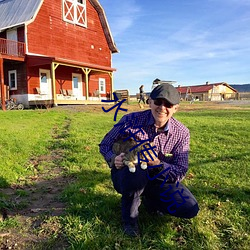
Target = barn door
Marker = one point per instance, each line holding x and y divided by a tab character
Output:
45	83
77	85
12	48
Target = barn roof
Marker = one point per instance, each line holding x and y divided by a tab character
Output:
201	88
18	12
105	25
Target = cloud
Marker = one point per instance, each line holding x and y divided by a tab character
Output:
191	43
122	15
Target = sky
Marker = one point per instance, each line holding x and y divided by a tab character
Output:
187	41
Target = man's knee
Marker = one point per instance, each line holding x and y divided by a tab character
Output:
187	212
192	212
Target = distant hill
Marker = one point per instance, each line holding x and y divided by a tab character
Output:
241	87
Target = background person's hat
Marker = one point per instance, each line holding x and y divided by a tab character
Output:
156	81
166	91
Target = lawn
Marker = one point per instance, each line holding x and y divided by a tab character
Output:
218	176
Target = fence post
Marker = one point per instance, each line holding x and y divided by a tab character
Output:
2	84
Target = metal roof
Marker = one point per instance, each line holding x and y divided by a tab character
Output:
202	88
16	12
105	25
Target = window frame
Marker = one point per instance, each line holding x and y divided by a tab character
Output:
79	15
15	79
102	81
79	85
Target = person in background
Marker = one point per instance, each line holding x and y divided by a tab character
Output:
156	83
142	98
162	193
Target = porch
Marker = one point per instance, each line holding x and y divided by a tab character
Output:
43	100
49	103
11	49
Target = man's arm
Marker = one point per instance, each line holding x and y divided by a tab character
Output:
176	167
106	144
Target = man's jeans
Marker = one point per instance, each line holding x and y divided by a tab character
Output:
172	198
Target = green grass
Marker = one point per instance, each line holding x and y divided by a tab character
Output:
218	176
24	135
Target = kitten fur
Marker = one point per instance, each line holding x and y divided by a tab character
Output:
130	157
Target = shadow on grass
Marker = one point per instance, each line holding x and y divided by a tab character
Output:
94	219
219	193
3	182
231	157
227	210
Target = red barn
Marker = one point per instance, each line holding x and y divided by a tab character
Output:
56	52
208	92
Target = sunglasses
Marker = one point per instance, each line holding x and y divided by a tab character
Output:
159	102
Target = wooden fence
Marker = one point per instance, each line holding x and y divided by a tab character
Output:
122	94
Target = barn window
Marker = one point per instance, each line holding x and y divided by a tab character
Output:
12	80
102	86
43	77
74	11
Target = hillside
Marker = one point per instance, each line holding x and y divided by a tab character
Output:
241	87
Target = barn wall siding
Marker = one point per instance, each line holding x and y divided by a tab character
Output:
21	77
94	80
3	34
20	34
50	35
33	79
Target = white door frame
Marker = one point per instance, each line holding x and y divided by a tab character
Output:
77	92
45	88
102	85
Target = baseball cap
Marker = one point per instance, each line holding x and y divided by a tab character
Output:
166	91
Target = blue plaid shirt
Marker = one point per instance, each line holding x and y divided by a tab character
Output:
172	144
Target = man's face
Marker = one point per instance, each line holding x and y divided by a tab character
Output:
162	110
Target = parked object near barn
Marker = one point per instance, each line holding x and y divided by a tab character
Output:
13	104
55	45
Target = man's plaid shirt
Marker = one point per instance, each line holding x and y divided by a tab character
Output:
172	144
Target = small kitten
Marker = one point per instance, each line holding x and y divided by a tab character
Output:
130	157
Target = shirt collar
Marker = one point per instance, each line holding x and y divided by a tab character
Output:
167	126
151	121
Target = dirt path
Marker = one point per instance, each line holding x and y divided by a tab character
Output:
34	203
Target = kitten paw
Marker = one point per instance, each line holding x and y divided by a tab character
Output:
132	170
144	166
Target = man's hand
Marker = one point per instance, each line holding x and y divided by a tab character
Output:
156	161
119	161
153	162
